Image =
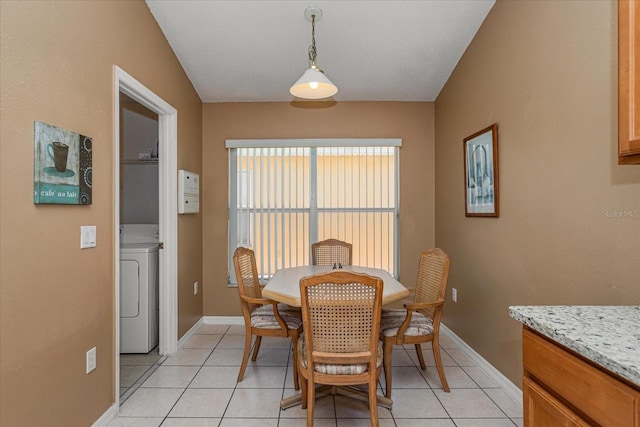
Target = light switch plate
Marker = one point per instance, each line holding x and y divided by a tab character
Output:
91	360
87	236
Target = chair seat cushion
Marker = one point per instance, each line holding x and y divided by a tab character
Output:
392	319
263	317
335	369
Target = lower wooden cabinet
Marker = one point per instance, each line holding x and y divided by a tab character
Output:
543	410
561	388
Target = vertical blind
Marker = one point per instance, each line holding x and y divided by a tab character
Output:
286	194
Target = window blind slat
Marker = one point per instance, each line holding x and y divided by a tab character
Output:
287	197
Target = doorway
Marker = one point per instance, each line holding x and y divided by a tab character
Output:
126	85
139	260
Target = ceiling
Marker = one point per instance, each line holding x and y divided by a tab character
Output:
250	51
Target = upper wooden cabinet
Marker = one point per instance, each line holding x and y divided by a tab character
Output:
628	82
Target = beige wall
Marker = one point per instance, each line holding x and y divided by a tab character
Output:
57	301
411	121
546	73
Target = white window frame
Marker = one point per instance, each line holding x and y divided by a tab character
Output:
233	144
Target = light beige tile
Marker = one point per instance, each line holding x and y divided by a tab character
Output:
233	341
188	357
130	374
236	330
202	341
416	403
270	357
150	402
511	407
191	422
263	377
201	402
349	407
171	376
431	422
288	382
479	376
225	357
459	357
135	422
214	386
456	377
324	407
429	360
400	357
405	377
468	403
351	422
249	422
254	403
275	342
317	422
215	377
484	422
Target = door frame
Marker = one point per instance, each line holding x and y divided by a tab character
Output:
167	212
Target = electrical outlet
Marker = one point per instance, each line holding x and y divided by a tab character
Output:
91	360
195	288
454	294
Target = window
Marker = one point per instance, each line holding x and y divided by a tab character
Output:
286	194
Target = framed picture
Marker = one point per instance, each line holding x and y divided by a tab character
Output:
481	173
62	166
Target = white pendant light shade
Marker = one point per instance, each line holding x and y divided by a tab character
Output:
313	85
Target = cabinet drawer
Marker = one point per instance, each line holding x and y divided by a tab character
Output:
588	389
543	410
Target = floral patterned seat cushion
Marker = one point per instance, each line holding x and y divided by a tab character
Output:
263	317
334	369
392	319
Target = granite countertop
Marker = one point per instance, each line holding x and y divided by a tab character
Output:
607	335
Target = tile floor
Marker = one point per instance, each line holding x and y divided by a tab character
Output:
197	387
135	369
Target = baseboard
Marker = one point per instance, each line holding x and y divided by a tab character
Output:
223	320
189	333
509	388
108	416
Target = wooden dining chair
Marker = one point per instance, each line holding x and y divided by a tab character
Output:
262	316
340	347
418	322
330	252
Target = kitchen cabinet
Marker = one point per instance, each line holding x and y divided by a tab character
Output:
561	388
628	82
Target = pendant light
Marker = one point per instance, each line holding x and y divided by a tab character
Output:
313	84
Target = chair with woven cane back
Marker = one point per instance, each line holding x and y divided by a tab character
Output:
419	321
331	252
340	347
262	316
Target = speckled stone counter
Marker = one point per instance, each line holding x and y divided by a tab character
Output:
607	335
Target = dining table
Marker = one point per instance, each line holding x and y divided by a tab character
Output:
284	287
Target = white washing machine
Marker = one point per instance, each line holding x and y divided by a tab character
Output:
139	288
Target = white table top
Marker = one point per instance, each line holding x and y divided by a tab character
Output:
284	286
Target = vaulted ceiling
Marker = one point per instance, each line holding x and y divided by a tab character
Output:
244	51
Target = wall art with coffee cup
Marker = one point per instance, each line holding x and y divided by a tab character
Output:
62	172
